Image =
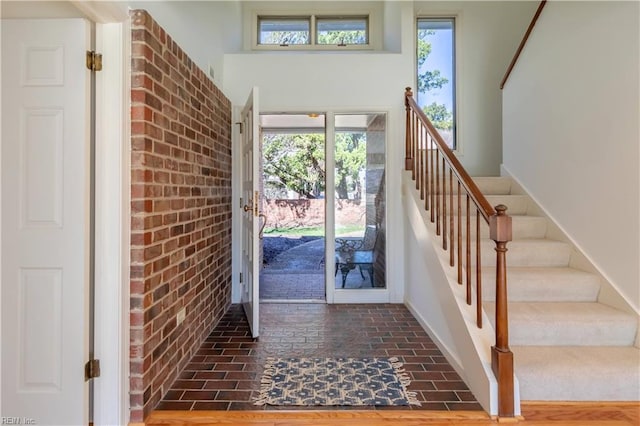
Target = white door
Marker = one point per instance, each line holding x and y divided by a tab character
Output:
250	295
45	226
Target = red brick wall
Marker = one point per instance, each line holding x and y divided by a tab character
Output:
180	210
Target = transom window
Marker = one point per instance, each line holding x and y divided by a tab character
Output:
313	30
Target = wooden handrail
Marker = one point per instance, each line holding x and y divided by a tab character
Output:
522	43
466	181
432	163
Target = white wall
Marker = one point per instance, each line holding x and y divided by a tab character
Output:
340	82
205	30
39	9
375	81
488	36
571	130
438	302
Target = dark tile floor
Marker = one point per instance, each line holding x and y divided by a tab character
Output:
225	373
292	285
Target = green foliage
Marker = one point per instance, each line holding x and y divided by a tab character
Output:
439	115
351	156
297	161
285	37
342	37
302	37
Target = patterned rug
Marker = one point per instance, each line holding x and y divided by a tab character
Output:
335	381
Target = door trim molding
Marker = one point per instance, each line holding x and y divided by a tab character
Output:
112	218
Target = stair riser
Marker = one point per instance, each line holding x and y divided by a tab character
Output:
487	186
538	254
516	204
578	373
523	227
595	333
545	287
567	324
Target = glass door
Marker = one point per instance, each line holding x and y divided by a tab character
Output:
358	270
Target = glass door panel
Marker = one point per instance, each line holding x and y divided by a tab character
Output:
360	229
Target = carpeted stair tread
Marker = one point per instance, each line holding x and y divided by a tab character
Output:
529	252
516	204
567	324
531	284
578	373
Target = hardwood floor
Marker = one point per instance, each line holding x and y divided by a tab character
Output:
534	414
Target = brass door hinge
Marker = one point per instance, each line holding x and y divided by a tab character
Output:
94	60
92	369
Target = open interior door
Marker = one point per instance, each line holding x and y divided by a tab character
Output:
250	293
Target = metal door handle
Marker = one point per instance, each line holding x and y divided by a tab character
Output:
248	207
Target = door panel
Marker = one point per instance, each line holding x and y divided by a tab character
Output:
45	225
250	294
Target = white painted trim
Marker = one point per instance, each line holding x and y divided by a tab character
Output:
236	210
451	356
1	411
111	399
330	206
370	9
102	11
457	15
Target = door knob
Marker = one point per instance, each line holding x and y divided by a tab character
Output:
247	208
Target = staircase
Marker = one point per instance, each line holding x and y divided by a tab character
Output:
567	345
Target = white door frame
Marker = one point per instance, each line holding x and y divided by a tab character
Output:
111	402
112	209
387	295
112	224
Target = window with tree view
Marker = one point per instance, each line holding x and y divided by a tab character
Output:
342	31
312	30
284	31
436	74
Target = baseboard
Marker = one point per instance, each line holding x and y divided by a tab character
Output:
451	357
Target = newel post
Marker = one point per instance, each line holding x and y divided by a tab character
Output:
501	355
408	159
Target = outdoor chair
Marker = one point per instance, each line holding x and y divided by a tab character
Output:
352	252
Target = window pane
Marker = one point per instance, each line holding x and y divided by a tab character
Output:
343	31
436	74
283	31
360	206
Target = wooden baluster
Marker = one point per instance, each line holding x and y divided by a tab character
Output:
478	273
444	207
451	228
427	142
501	355
416	146
459	233
432	151
422	170
437	177
468	274
416	149
408	149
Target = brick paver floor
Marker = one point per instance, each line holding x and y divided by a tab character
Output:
225	372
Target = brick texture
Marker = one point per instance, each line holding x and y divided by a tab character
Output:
180	211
